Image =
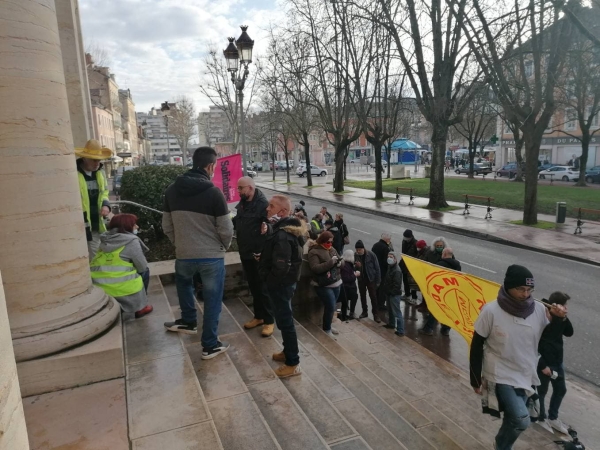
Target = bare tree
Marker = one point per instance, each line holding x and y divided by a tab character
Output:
521	48
478	123
182	123
430	46
99	54
216	85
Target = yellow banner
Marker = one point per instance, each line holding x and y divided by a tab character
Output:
454	298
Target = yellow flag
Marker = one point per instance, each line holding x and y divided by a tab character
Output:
454	298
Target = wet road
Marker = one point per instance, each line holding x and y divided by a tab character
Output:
490	260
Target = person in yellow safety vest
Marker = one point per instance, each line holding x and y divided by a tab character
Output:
94	191
316	226
120	267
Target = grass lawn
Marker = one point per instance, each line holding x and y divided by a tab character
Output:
506	194
542	224
313	186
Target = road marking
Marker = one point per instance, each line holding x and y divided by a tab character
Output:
360	231
478	267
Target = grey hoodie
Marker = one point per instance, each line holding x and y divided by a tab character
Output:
134	253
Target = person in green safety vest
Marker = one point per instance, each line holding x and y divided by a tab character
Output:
316	226
120	267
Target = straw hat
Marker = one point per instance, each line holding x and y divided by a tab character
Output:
93	150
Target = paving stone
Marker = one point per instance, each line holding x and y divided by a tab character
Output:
399	427
218	377
328	384
158	300
322	414
160	386
322	354
202	436
171	293
344	356
352	444
289	425
241	425
250	364
438	438
147	339
370	429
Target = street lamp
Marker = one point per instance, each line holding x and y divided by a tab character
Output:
238	52
164	107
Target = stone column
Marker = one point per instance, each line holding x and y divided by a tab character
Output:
73	57
13	432
51	302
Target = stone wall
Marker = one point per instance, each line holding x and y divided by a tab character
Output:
13	433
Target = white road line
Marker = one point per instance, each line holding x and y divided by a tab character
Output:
478	267
360	231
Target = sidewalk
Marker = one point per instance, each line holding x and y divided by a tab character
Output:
560	242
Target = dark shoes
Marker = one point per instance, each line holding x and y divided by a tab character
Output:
425	331
376	318
363	315
397	333
179	326
445	331
391	327
209	353
142	312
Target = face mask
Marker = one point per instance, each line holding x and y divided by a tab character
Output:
439	250
243	197
135	231
274	218
327	245
391	261
406	239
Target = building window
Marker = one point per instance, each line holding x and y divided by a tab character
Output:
570	119
594	121
528	68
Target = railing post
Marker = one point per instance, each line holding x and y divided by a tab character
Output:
397	195
489	209
579	223
467	206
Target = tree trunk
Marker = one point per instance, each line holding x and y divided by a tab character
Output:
583	159
471	162
519	156
437	197
532	151
274	166
287	168
307	160
378	180
338	180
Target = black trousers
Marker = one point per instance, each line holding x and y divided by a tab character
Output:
262	304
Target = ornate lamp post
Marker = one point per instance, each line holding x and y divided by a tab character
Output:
236	53
164	107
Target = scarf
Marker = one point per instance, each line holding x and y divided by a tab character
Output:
517	308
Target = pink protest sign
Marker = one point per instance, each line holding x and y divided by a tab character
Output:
227	173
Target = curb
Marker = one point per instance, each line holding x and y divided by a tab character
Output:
444	227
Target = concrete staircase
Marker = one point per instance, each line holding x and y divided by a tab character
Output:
368	389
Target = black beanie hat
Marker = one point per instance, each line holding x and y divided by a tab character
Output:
518	276
408	233
359	244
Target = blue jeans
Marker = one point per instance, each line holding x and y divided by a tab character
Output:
146	279
281	302
516	416
559	390
329	298
395	318
212	272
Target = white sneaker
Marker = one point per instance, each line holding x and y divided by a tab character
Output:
559	426
334	331
330	334
545	425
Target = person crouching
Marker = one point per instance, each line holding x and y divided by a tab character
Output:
120	267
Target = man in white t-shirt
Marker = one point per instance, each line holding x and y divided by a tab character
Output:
504	352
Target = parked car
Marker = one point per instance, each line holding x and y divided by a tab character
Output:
251	173
564	173
354	161
383	164
592	175
314	170
116	184
509	170
478	168
545	167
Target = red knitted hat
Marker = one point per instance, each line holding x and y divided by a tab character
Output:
421	244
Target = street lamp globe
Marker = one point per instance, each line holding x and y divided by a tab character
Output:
231	56
245	46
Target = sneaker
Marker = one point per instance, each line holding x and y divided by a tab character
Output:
334	331
330	334
558	426
351	316
397	333
253	323
425	332
363	315
142	312
267	330
210	353
545	425
279	357
388	326
180	326
376	318
288	371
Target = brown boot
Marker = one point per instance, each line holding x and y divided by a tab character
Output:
279	357
288	371
267	330
253	323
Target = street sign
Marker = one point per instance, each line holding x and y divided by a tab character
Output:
494	139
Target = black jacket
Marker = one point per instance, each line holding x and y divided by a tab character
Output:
342	227
382	250
393	280
338	240
281	258
410	247
369	267
550	347
247	223
450	263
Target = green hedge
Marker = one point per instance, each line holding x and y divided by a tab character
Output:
146	185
